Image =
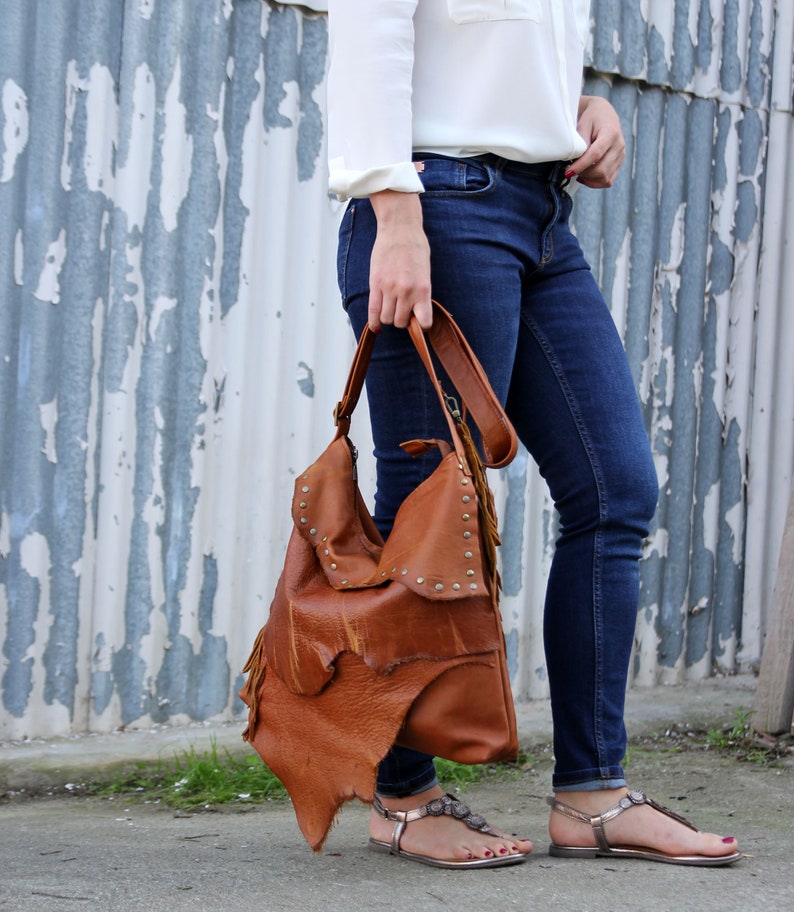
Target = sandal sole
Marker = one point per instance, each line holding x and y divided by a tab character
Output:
385	849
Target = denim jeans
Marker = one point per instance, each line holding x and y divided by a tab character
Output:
506	264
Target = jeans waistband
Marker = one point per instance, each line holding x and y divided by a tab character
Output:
552	171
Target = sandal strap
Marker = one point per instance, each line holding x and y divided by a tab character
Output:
445	805
597	821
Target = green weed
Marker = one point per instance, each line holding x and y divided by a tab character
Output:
196	779
742	741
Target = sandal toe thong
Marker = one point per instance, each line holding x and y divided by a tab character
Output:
451	806
604	850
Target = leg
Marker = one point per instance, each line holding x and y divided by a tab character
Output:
404	405
574	405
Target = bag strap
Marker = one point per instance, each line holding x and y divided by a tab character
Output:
499	440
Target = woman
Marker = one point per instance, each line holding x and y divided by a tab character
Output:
454	129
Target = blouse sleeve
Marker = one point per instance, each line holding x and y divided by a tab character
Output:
369	97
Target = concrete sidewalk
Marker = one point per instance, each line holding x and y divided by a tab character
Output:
69	852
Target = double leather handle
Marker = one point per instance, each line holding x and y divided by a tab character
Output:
499	440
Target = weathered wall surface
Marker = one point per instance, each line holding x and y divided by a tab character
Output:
171	343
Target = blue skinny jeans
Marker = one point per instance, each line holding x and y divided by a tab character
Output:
506	264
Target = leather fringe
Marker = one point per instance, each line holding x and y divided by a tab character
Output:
250	690
489	525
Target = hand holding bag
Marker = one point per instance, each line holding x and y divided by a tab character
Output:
371	643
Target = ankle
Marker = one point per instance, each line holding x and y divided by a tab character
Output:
411	801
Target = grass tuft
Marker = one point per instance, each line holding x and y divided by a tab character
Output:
196	779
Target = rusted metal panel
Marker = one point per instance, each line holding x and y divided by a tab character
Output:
171	341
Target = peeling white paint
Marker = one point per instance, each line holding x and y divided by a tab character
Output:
49	418
161	306
734	519
176	151
73	86
102	128
16	127
49	287
133	178
656	544
19	258
660	15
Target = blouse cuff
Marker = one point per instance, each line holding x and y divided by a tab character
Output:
346	184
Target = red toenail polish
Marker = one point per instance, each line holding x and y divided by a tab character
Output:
728	839
488	853
503	851
469	855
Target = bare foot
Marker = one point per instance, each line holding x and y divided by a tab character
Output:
639	827
443	838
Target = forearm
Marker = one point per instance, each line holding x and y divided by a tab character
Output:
369	97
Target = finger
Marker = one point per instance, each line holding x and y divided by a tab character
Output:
402	313
424	313
374	311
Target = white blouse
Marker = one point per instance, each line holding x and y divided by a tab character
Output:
456	77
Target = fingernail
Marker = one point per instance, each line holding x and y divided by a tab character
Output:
728	839
570	173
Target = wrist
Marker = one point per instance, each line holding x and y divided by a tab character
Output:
391	206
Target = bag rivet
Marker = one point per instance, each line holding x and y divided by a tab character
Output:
403	572
304	520
344	582
466	517
420	579
333	566
439	587
472	585
467	534
383	573
463	481
467	555
303	505
466	498
312	531
469	573
456	586
326	552
305	489
393	569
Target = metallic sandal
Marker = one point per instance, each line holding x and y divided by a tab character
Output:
449	805
605	850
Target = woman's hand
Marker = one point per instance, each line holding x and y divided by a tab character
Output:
599	126
399	272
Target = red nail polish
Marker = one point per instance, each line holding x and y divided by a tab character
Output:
503	851
514	848
469	855
728	839
488	853
570	173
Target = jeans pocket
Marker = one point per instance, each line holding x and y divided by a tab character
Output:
463	11
455	176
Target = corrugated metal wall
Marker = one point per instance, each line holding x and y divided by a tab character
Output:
171	342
